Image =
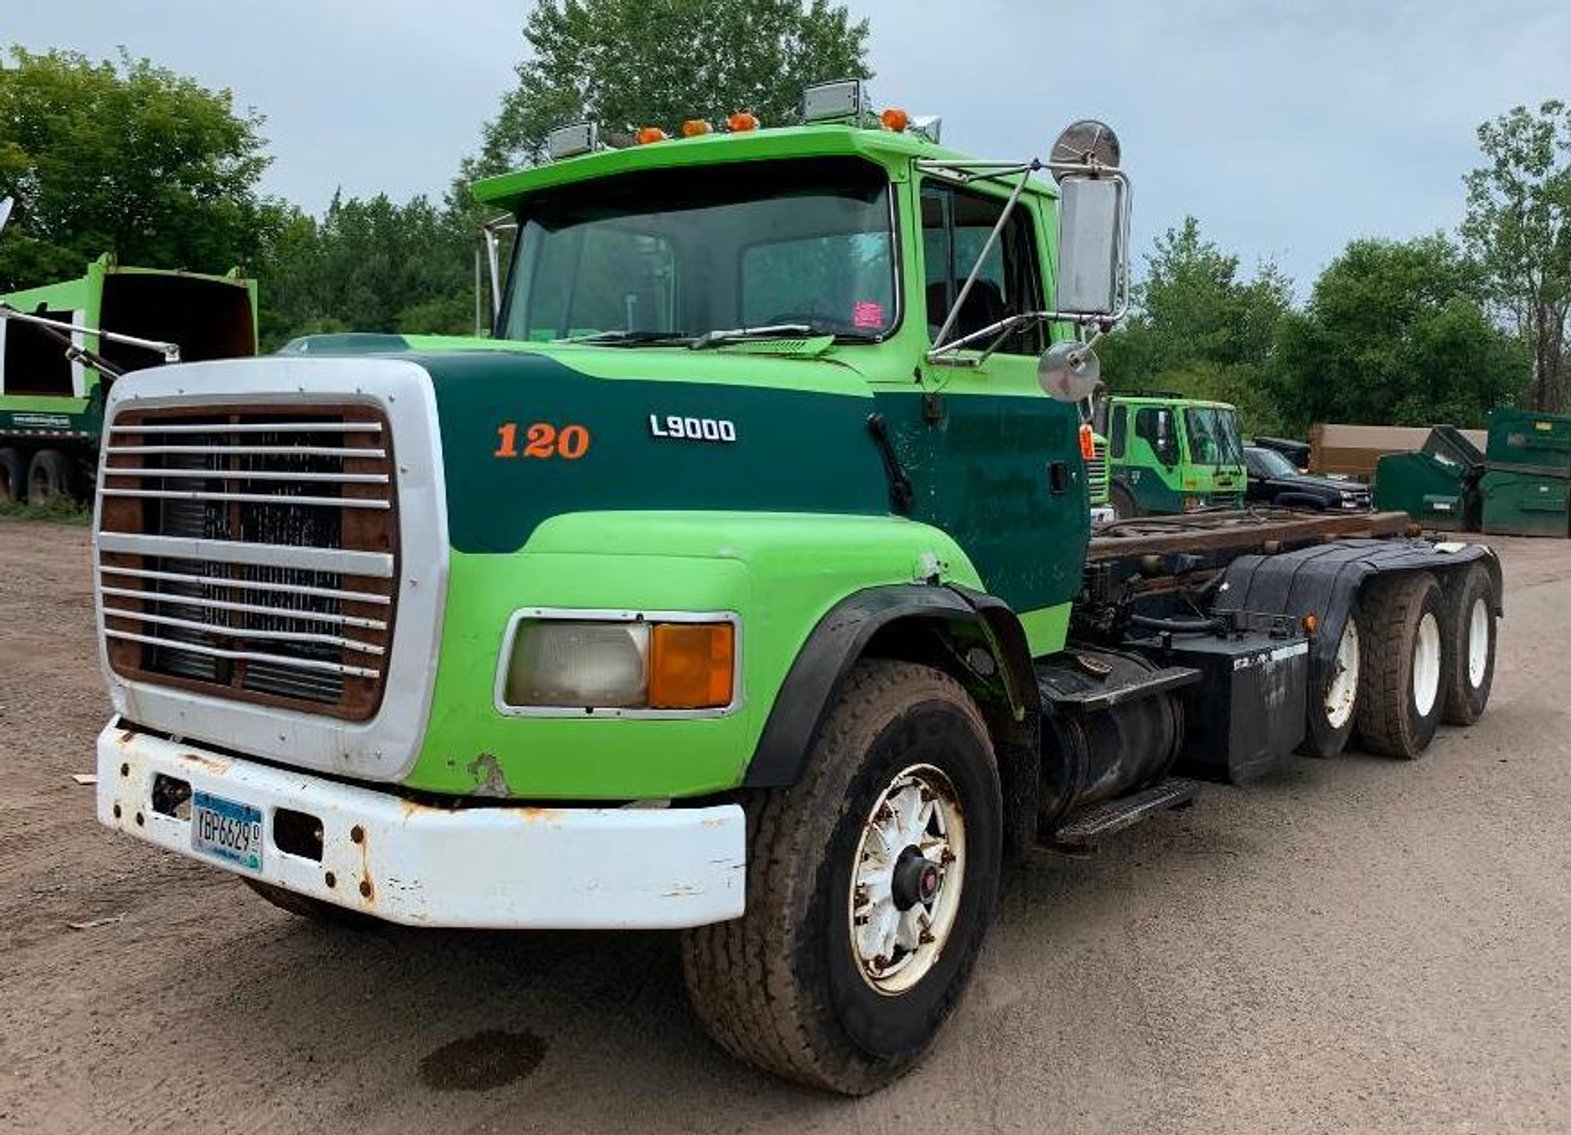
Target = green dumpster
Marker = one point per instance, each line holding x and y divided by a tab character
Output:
1438	486
1527	490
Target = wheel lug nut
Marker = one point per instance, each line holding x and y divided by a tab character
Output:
925	938
881	962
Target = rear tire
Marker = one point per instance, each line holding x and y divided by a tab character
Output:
1333	709
49	476
1404	660
854	950
13	475
1470	634
305	906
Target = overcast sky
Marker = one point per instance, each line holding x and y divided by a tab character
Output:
1286	127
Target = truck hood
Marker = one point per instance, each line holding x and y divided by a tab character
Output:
533	431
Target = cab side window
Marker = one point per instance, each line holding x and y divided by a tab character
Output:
955	228
1120	439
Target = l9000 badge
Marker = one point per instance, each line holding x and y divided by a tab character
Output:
692	429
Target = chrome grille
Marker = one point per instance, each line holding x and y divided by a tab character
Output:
1096	471
251	554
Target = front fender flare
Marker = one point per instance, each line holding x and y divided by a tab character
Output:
839	640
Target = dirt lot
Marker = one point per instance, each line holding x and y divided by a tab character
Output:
1357	945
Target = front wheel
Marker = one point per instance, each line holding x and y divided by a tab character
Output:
1123	501
871	884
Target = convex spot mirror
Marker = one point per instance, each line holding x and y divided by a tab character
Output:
1069	372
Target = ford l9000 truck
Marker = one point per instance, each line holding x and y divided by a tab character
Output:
741	583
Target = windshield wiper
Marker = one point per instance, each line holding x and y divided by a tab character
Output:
733	334
631	338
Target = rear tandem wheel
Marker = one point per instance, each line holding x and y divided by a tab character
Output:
1404	659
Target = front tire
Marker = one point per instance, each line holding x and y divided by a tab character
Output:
1404	658
871	885
311	908
1123	502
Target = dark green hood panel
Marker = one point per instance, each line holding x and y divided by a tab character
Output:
794	451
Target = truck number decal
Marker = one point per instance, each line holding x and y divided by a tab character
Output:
542	439
694	429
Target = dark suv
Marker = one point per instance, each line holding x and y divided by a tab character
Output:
1274	480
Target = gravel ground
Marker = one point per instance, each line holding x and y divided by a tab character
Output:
1355	945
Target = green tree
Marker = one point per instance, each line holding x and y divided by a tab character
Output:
1200	328
1518	226
1396	333
624	64
369	265
123	157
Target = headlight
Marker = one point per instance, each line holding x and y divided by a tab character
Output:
603	664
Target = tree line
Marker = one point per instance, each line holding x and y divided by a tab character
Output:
128	157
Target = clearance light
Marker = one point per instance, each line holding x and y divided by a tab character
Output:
693	127
691	665
1087	442
742	122
842	100
895	119
569	141
650	134
1311	624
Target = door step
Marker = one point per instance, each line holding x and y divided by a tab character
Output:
1081	835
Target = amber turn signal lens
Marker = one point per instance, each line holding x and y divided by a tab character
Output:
742	122
1087	442
1311	624
691	665
895	119
650	134
693	127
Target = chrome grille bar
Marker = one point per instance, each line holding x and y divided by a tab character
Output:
249	450
226	631
245	655
249	475
251	428
175	599
376	565
253	498
246	584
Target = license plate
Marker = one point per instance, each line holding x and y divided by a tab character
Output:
227	830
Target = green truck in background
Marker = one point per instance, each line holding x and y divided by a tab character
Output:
741	583
62	344
1170	455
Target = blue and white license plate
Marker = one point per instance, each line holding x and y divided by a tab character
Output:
227	830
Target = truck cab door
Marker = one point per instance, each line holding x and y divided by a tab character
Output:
993	461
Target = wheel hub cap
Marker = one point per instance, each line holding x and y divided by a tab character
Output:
906	879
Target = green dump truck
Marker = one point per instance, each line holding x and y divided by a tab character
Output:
61	346
1168	454
742	583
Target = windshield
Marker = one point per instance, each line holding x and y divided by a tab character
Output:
1272	464
1213	435
680	252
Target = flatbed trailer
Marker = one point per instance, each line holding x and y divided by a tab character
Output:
767	608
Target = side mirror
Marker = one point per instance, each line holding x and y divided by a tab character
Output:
1093	222
5	211
1090	246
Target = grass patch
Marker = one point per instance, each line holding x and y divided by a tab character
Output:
60	510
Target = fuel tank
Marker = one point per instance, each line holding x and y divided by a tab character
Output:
1114	724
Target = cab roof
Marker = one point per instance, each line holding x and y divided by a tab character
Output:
893	150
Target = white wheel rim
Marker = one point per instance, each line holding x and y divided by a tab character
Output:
1426	665
1478	643
915	830
1342	694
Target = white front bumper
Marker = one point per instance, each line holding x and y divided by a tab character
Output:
496	866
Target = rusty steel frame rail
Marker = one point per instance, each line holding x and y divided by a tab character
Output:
1254	530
